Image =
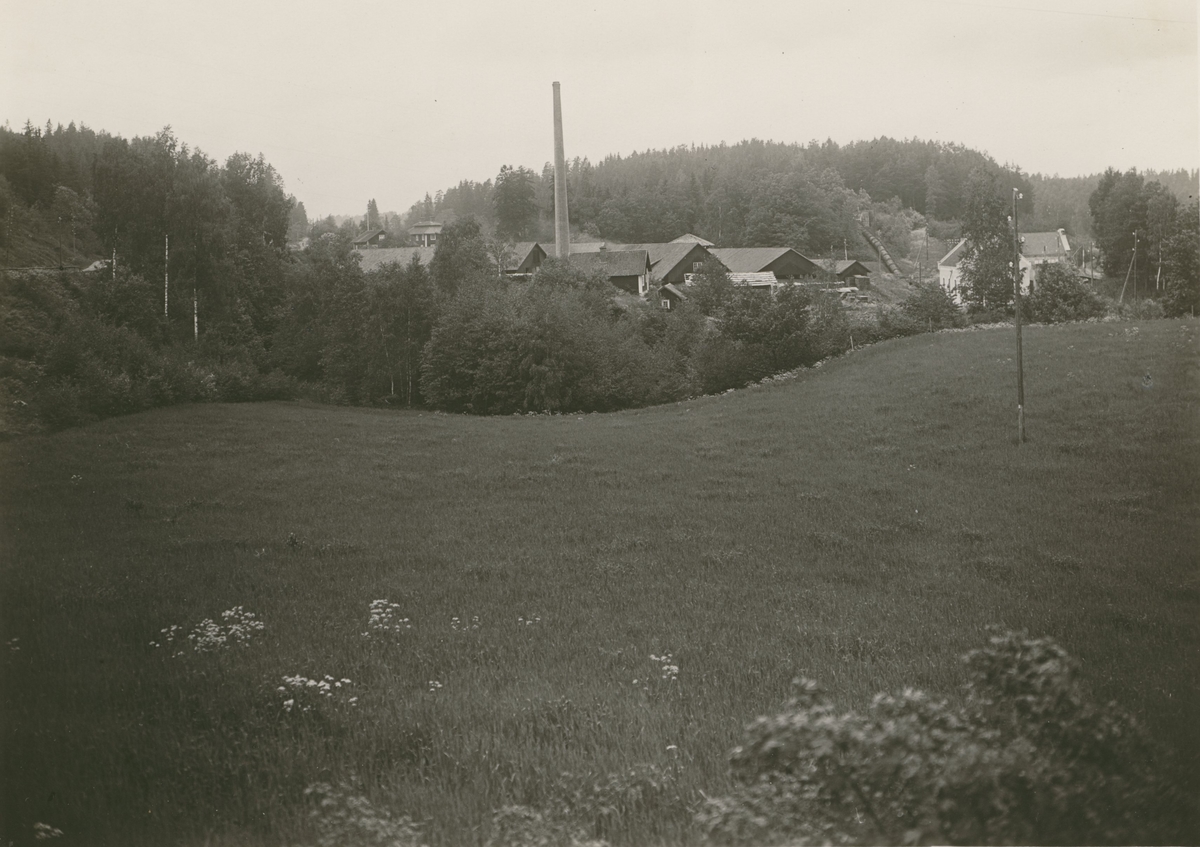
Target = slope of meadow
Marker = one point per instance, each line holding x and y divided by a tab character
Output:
861	525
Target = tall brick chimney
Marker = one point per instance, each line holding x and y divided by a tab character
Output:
562	224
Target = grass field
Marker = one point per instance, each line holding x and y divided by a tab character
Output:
861	525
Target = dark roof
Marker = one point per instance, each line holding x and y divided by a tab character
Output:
612	262
843	265
367	236
749	259
664	257
372	259
519	253
1036	244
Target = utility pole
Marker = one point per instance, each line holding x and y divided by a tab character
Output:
1020	359
195	317
1135	243
166	274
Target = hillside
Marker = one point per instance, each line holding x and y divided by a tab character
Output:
861	525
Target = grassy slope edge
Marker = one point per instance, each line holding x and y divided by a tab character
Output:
861	526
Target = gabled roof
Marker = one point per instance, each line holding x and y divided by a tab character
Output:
664	256
674	289
951	259
519	254
612	262
367	236
688	238
1036	244
749	259
373	259
423	227
843	265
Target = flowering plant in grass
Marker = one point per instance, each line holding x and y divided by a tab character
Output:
662	678
459	625
385	620
303	694
237	628
344	816
1029	759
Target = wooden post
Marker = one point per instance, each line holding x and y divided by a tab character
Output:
166	274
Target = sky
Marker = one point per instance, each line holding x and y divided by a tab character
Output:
390	100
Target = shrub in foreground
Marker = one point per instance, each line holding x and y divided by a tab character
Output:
1027	759
1061	295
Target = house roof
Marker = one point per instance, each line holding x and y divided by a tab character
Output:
1037	244
612	262
367	236
370	260
955	255
754	280
664	257
670	286
843	265
749	259
688	238
423	227
520	253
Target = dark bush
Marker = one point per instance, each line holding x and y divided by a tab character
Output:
1060	295
1028	759
931	307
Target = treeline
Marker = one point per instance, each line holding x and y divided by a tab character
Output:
206	302
753	193
455	335
758	193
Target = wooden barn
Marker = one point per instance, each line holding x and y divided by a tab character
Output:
850	268
628	270
374	238
786	263
669	262
523	258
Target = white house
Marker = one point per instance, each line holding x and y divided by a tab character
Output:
1037	248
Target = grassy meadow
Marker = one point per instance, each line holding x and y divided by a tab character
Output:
862	525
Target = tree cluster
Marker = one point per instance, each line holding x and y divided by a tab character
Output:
1128	212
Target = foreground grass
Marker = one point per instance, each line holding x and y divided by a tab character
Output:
861	526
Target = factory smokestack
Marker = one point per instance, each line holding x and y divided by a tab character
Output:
562	224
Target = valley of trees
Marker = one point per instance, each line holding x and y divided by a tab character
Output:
208	302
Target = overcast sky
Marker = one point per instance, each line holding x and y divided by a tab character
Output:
393	99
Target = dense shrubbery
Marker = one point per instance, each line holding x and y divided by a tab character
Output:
1027	758
1060	295
76	348
539	346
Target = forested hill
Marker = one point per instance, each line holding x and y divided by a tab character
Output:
745	194
762	192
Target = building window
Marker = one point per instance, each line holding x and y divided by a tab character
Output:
696	267
666	304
